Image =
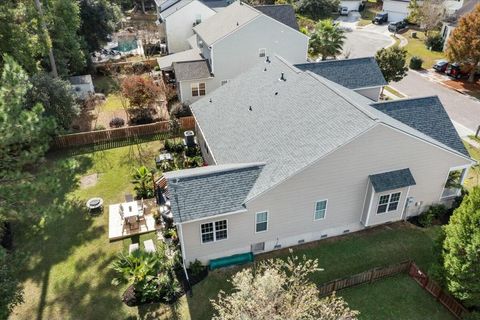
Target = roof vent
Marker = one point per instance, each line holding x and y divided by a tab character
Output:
250	108
268	60
210	100
282	78
276	93
265	69
237	24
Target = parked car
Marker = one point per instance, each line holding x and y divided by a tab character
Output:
344	11
441	66
397	26
380	18
457	71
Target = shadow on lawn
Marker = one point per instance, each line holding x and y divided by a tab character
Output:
59	225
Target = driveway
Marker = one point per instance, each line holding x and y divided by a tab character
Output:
462	109
362	42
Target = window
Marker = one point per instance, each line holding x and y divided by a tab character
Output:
320	209
261	221
262	52
224	82
214	231
198	89
388	202
453	185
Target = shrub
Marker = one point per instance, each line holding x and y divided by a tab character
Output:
178	147
157	68
168	145
416	63
99	127
436	211
117	122
434	42
193	152
139	67
196	268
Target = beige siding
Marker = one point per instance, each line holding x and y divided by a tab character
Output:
207	155
374	218
184	89
370	93
340	177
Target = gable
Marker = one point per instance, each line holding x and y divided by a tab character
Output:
283	13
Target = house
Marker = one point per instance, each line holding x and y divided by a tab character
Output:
82	86
398	9
232	41
451	21
352	5
294	157
363	75
176	19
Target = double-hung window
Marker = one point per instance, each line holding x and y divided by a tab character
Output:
198	89
214	231
320	209
388	202
261	221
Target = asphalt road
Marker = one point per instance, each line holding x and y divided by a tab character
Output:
461	108
363	43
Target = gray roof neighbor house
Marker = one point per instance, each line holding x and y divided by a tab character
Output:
350	73
392	180
280	12
224	188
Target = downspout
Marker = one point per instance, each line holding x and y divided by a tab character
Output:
182	247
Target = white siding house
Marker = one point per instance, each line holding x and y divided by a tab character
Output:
177	20
397	9
294	157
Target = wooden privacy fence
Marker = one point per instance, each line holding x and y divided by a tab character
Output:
457	309
94	137
408	267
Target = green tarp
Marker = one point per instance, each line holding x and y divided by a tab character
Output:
231	260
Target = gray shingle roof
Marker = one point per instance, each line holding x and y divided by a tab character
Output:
392	180
209	191
303	110
191	70
171	6
283	13
426	115
217	4
350	73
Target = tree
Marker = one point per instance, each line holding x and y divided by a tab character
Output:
46	38
279	289
99	20
462	250
68	46
143	180
464	44
142	94
318	9
430	15
414	11
57	98
11	293
393	63
327	40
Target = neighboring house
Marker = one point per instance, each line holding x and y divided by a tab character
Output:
294	157
177	18
235	39
352	5
449	24
362	75
82	86
398	9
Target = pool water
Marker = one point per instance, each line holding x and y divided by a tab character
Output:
126	45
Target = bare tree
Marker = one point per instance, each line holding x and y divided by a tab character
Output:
430	15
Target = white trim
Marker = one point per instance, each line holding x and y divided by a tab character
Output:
256	221
404	211
214	231
184	254
370	87
197	85
365	201
315	209
197	125
388	202
370	205
214	217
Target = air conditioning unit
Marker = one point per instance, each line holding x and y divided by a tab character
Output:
189	138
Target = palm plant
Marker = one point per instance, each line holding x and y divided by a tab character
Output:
143	180
327	39
136	267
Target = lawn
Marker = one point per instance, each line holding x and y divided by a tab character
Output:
405	300
68	253
416	47
473	177
339	257
367	15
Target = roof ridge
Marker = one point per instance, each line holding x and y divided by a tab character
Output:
208	170
335	60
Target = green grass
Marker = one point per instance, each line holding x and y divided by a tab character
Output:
67	274
105	84
473	178
114	102
416	47
394	92
367	15
398	297
339	257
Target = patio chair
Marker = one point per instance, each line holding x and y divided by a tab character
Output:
149	246
133	223
133	247
128	197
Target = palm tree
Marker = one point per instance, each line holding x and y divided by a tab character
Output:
142	178
327	39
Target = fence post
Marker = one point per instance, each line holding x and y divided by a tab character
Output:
371	275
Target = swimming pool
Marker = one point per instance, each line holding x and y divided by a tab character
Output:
126	45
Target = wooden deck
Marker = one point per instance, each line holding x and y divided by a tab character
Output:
118	229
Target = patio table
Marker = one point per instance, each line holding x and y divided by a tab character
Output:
130	209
